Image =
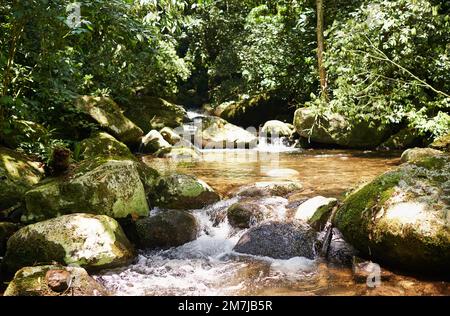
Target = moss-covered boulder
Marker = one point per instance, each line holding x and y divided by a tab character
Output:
337	130
102	144
442	143
105	112
405	138
155	113
99	186
153	142
402	217
148	175
316	211
279	240
216	133
6	230
245	214
14	132
275	128
179	191
18	174
166	229
417	154
255	111
91	241
39	280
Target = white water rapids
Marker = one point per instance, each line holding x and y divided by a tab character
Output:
207	265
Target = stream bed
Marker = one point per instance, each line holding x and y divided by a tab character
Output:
208	265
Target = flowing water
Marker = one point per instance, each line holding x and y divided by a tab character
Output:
208	265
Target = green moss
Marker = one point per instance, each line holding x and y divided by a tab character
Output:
29	248
17	175
155	113
110	117
353	218
102	145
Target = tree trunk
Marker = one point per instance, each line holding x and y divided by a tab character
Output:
320	48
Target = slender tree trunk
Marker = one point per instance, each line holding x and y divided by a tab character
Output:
321	48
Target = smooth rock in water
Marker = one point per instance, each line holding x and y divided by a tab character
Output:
155	113
245	214
99	186
316	211
279	240
18	173
337	130
276	128
442	143
216	133
170	135
339	251
166	229
179	191
109	116
6	231
54	280
400	219
153	141
260	189
416	154
102	144
90	241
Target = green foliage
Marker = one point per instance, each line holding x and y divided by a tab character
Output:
250	47
389	62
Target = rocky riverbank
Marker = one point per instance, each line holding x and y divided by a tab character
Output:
99	210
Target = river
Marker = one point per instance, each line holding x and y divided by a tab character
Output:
208	266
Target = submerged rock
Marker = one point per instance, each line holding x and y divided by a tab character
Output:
316	211
18	174
54	280
179	191
166	229
216	133
109	116
276	128
155	113
90	241
260	189
102	144
278	240
153	142
99	186
337	130
401	218
416	154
